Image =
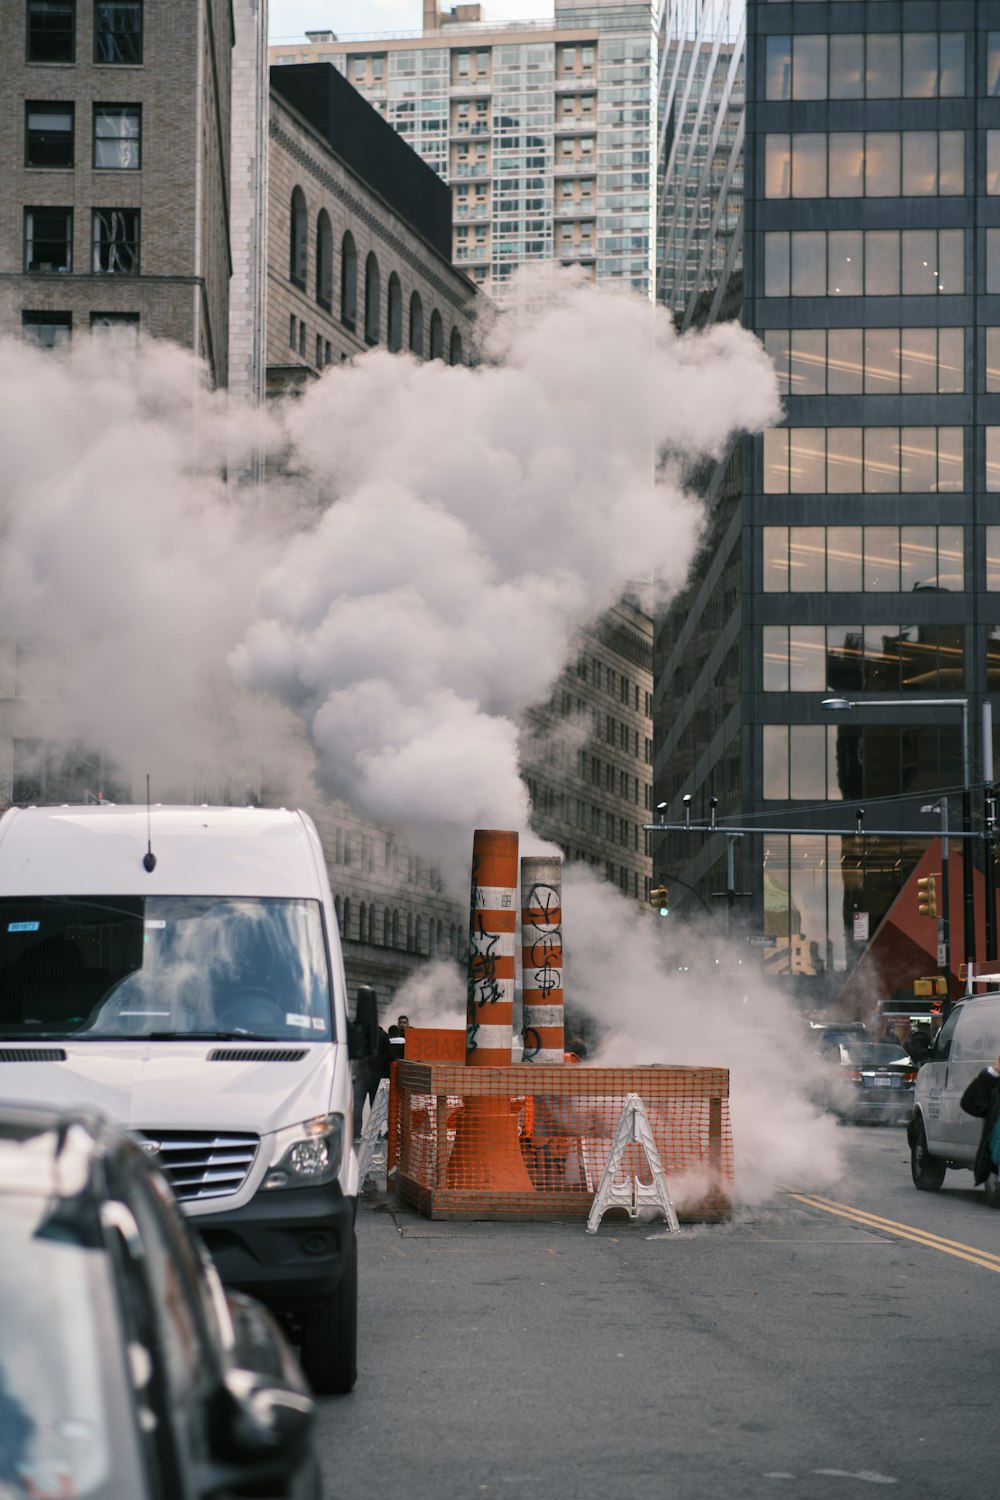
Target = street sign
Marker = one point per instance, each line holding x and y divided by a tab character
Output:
942	955
763	940
861	927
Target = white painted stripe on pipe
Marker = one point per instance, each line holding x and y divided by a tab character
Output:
494	1037
547	1055
493	944
492	991
494	898
544	1015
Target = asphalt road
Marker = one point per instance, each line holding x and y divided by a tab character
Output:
828	1345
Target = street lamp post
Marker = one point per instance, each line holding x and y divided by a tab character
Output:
835	705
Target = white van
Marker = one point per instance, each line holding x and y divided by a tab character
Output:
179	970
941	1134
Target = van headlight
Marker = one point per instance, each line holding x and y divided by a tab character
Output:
307	1155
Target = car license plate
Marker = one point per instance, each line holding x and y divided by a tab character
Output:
882	1083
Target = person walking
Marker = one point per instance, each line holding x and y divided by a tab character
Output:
982	1100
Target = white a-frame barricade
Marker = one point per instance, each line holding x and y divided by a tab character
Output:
620	1187
378	1116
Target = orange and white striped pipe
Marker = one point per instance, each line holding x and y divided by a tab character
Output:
492	936
542	958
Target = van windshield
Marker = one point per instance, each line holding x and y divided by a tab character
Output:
101	968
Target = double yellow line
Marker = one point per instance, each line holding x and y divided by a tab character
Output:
984	1258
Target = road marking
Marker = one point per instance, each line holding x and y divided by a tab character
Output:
984	1258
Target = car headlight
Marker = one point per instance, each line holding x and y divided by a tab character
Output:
307	1155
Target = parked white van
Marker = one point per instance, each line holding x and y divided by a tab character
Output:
179	970
941	1134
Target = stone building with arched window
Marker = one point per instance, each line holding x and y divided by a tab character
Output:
359	228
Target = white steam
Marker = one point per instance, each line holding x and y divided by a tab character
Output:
482	517
469	523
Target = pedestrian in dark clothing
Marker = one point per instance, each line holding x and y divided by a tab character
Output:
982	1100
397	1045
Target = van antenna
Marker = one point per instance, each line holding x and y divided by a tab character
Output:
149	858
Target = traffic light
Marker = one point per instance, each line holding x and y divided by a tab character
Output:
659	897
927	896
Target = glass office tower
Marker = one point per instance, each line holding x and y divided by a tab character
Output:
855	548
545	130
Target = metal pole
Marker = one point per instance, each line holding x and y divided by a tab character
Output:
945	901
989	827
968	899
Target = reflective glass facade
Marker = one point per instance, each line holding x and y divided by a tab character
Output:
855	549
545	130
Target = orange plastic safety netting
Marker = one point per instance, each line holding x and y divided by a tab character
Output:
529	1142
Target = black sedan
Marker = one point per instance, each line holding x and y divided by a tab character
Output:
126	1373
871	1082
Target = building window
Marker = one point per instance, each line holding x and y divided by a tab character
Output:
864	460
293	329
118	31
51	30
319	351
871	263
116	241
46	330
298	219
394	329
348	282
865	164
118	137
852	559
455	348
302	338
437	336
416	325
862	658
48	239
914	65
124	325
870	361
324	261
48	135
373	297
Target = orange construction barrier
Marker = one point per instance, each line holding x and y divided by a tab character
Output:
532	1143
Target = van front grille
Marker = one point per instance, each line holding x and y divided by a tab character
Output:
202	1164
32	1054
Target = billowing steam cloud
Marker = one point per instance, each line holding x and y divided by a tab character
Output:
483	516
419	586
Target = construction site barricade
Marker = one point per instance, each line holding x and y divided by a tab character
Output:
533	1143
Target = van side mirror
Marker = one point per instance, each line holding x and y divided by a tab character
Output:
258	1430
920	1047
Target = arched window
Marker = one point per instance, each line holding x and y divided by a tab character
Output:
395	929
394	332
372	930
324	261
409	932
362	922
373	294
300	232
337	914
420	935
416	325
349	282
437	336
387	929
455	348
346	931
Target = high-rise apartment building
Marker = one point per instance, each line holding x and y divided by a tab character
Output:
854	550
544	129
116	151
